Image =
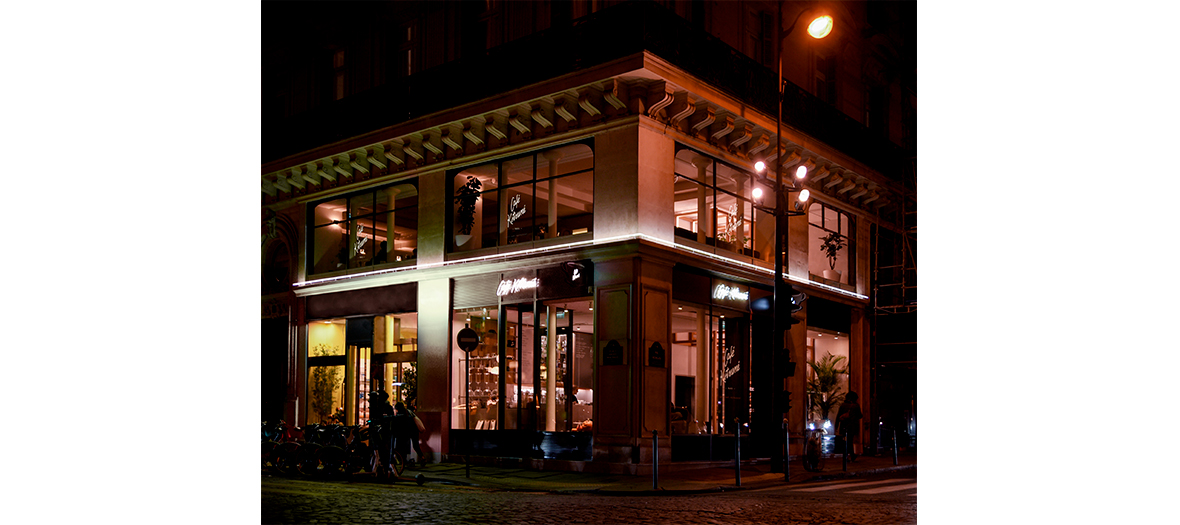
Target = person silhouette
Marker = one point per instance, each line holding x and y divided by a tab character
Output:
848	423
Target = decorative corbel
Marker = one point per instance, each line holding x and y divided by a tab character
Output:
358	159
680	109
341	166
376	156
740	135
296	178
324	170
395	154
614	92
659	96
702	118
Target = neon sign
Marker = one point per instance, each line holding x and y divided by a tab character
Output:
508	286
726	292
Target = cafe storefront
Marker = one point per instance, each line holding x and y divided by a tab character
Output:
526	388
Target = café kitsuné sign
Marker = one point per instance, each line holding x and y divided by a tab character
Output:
724	291
510	286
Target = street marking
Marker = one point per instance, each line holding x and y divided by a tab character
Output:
890	488
846	485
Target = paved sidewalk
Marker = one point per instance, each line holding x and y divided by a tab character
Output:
710	479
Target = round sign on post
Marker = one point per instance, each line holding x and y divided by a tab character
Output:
467	339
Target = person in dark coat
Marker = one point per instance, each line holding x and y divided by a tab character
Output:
407	433
381	429
848	422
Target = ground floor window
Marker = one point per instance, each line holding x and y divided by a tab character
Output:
533	369
710	361
827	375
347	358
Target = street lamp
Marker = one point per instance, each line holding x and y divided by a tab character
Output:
819	27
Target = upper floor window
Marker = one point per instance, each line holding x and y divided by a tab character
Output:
378	226
715	205
529	198
831	226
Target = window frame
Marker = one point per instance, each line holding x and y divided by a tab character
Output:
538	177
369	220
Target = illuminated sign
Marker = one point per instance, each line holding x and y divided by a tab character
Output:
728	292
509	286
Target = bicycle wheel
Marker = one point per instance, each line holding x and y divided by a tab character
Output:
333	461
399	463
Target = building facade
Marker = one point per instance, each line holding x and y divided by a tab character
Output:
575	183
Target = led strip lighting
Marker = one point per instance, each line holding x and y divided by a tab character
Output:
579	244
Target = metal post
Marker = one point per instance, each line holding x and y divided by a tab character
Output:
847	445
786	451
737	456
895	446
655	460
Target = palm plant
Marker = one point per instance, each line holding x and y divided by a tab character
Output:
823	389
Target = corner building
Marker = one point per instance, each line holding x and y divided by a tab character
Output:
575	182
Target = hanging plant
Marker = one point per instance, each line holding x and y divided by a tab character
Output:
465	198
832	244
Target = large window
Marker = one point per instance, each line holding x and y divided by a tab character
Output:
715	205
348	358
828	223
374	227
521	200
541	380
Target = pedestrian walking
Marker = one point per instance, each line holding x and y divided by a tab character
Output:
381	429
848	423
407	428
412	427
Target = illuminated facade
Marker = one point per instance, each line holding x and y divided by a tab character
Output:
575	182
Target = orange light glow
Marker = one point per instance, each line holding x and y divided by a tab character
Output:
820	27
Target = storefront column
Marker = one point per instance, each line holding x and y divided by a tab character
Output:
552	156
551	371
702	164
702	412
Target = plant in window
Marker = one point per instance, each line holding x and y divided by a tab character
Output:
409	386
832	244
323	383
823	388
466	197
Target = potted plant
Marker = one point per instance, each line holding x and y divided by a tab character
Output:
823	388
465	198
832	244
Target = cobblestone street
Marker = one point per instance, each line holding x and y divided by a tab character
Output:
305	501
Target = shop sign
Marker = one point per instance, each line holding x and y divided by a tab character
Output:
730	294
655	355
511	286
724	291
612	354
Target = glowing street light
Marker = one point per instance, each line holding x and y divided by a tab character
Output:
820	27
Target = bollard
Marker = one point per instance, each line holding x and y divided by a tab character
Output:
786	451
737	455
847	445
895	446
655	460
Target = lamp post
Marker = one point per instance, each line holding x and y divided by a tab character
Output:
819	27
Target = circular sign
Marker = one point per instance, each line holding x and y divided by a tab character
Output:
468	339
